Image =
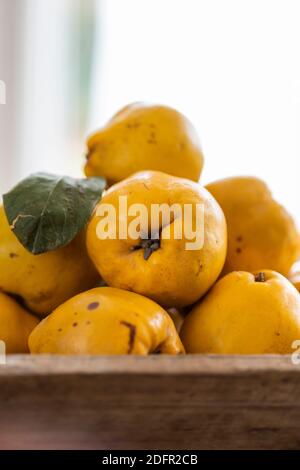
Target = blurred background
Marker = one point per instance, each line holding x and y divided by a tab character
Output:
233	67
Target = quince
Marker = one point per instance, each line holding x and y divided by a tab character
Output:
105	320
15	325
245	313
47	280
261	233
144	137
160	262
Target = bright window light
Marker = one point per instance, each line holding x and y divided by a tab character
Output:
232	67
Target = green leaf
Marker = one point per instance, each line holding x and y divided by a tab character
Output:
47	211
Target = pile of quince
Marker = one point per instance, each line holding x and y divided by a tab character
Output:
67	290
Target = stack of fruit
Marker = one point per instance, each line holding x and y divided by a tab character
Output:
75	282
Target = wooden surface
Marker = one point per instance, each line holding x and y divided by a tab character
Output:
156	402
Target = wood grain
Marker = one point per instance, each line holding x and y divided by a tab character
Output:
155	402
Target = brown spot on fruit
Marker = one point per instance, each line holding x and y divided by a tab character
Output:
133	125
93	305
146	186
239	238
13	255
239	250
152	138
75	324
132	333
200	268
260	277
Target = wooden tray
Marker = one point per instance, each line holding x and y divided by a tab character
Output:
155	402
